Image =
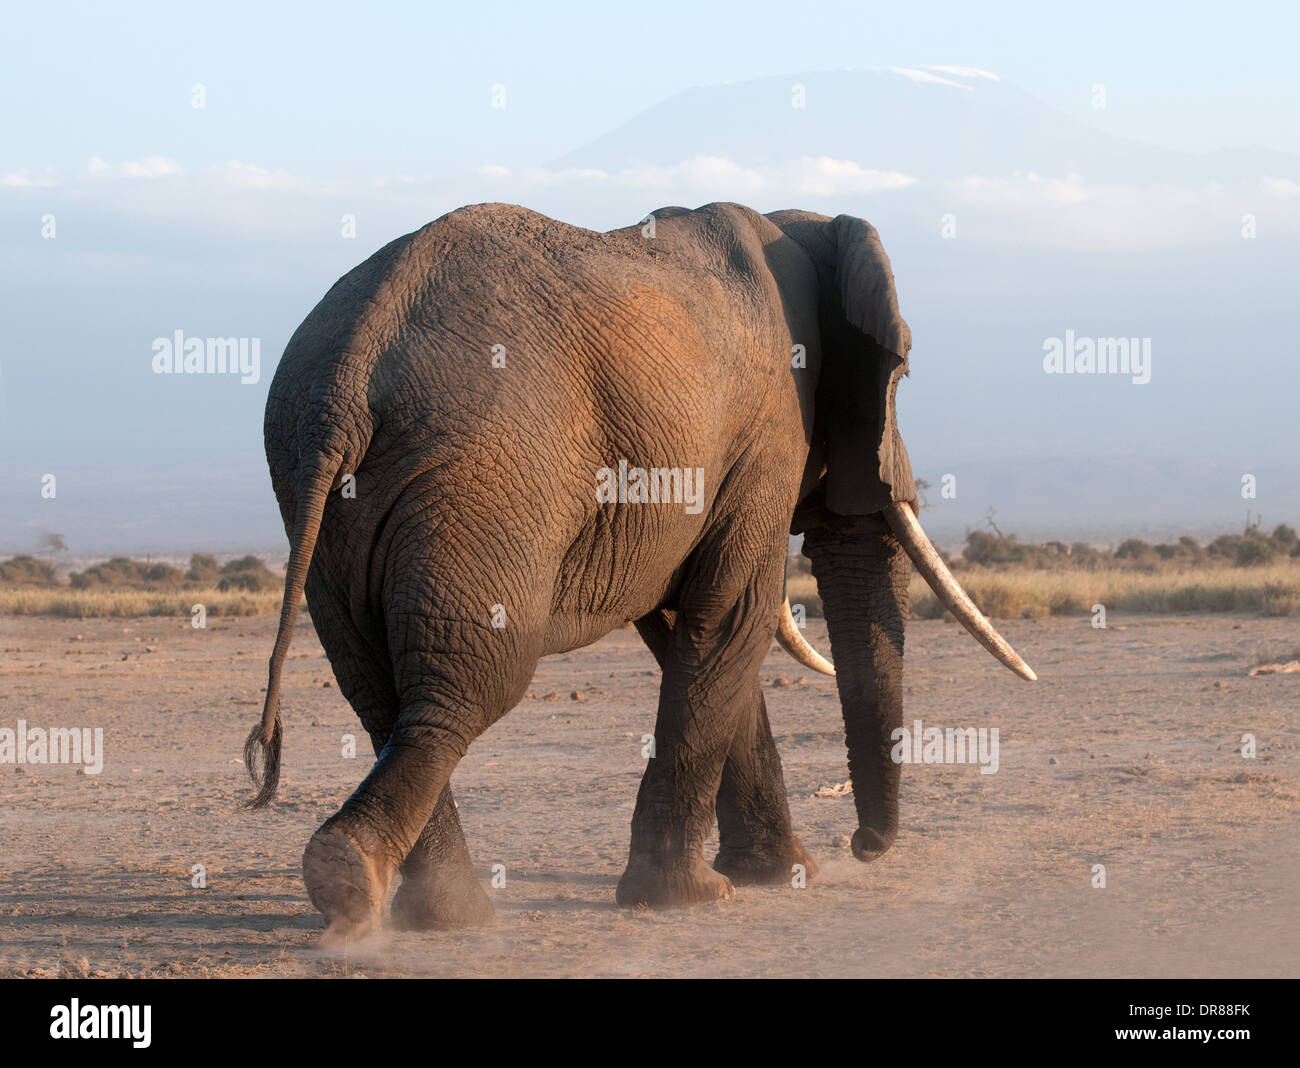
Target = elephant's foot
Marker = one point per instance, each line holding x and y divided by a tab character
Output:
647	882
348	886
869	845
766	865
439	901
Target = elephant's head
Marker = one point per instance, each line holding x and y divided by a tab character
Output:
858	510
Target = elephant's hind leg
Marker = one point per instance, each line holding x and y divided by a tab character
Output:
439	888
454	673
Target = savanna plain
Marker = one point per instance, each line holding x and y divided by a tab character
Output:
1123	834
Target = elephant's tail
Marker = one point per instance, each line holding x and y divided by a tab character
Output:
262	749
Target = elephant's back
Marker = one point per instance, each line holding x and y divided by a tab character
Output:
495	329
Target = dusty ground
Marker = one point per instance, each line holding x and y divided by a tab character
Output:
1125	754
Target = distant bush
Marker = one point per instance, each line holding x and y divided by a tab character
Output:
203	568
1286	540
1252	548
117	571
26	570
985	548
1087	557
248	573
992	550
243	563
243	580
163	575
1245	550
1136	553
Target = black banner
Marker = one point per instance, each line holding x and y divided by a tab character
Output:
254	1018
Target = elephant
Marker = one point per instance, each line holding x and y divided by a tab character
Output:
460	436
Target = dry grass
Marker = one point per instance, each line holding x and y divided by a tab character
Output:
1271	591
1273	654
100	603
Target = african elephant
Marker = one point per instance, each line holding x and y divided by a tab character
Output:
490	396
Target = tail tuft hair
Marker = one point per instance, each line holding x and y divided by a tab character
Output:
262	758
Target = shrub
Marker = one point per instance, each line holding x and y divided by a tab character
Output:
203	568
26	570
243	563
248	573
1137	553
1285	538
1132	549
117	571
123	572
1253	550
1277	600
243	580
985	548
163	575
1087	557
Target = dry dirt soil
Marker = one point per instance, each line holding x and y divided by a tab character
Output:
1126	754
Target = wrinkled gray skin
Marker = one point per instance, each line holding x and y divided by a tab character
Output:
475	487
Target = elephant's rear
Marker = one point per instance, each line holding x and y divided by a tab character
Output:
317	428
472	420
382	354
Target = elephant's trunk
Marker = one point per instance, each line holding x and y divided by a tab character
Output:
862	572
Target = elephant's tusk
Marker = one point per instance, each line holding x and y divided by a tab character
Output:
907	529
787	633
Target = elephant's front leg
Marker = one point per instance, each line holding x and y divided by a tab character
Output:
757	844
711	655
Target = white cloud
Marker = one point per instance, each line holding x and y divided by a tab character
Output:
26	179
826	177
257	204
699	172
1069	190
1279	187
149	167
567	176
253	176
718	176
1073	216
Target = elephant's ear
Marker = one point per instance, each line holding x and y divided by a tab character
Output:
865	344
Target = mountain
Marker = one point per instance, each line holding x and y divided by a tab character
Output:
932	124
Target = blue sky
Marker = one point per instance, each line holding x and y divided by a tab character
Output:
343	90
224	221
